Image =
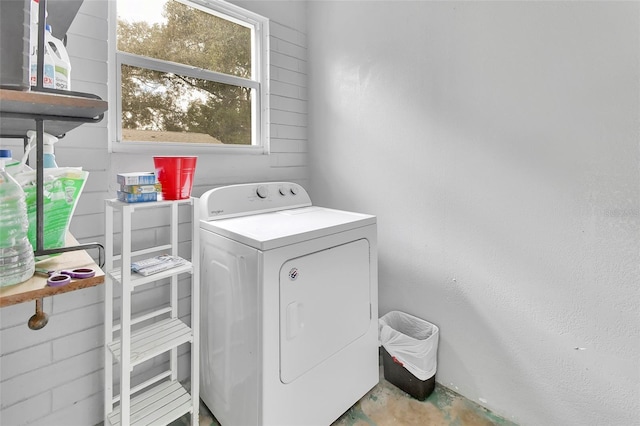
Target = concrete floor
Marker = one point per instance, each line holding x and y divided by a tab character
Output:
386	405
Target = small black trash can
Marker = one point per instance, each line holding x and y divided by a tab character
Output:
409	353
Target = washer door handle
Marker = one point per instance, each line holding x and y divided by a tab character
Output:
295	319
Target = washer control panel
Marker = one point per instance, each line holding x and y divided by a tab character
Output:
252	198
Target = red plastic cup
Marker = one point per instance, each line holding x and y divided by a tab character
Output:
175	174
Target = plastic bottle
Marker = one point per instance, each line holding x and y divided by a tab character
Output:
61	61
11	165
17	263
49	65
49	158
5	154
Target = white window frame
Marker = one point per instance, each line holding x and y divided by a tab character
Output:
260	69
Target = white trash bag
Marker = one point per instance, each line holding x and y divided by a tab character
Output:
412	341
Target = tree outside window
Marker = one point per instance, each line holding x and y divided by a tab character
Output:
187	74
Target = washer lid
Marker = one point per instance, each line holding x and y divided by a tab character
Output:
285	227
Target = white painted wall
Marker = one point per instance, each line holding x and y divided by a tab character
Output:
498	144
54	376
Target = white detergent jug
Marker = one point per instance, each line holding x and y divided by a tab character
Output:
49	75
61	62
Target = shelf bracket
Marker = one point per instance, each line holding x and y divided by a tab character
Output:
39	319
87	246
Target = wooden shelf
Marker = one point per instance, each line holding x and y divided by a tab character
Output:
36	287
61	112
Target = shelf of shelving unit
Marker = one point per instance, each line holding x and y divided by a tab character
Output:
153	340
61	112
162	405
136	280
161	399
36	287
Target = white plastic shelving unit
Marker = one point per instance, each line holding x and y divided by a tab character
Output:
161	399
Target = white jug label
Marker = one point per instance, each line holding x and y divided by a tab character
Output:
49	76
62	78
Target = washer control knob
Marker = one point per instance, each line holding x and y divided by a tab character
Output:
282	191
294	190
262	191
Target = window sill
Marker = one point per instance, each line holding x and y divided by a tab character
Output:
167	148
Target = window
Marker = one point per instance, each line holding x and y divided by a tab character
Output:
190	72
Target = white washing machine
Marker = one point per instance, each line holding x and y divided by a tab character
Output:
289	306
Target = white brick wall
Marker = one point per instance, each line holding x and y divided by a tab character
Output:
54	376
288	129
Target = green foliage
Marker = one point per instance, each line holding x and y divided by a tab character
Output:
153	100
